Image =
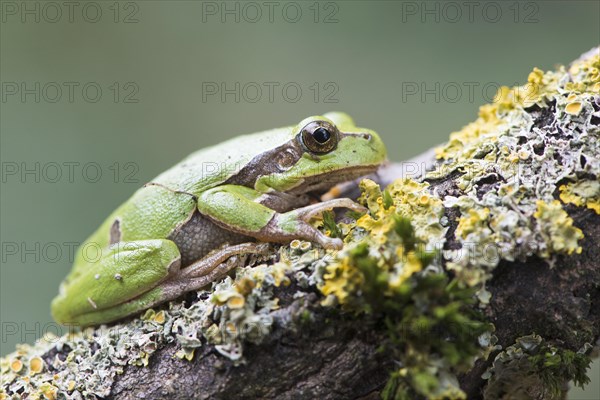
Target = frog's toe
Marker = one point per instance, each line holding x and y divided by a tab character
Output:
263	248
330	243
357	207
308	212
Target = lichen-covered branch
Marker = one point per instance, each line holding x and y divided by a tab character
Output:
476	279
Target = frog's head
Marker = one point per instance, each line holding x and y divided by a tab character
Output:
323	150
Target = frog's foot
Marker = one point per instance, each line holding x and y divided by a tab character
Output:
309	212
298	221
211	268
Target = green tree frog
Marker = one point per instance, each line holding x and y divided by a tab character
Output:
178	232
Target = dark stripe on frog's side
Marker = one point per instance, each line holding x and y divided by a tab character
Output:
266	163
269	163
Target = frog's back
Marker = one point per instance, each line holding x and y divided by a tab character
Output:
156	210
212	166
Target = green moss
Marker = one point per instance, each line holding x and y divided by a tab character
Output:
330	225
429	326
534	369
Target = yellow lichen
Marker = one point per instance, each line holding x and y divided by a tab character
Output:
524	155
582	193
378	226
493	118
277	273
470	276
371	195
236	302
402	200
222	297
574	108
16	365
305	246
143	360
474	220
341	280
536	76
556	225
410	199
159	318
344	280
49	391
515	154
378	222
230	328
187	353
411	266
244	285
36	365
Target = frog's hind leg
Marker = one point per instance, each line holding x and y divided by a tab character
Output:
172	283
210	268
107	289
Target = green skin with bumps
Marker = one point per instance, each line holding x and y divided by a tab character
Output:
182	230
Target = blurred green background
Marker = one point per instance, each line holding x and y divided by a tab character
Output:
99	97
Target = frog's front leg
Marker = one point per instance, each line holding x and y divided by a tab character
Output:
240	209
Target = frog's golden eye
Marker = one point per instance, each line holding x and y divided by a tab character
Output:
319	137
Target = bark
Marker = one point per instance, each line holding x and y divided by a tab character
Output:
332	359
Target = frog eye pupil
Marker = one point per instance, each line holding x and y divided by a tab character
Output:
321	135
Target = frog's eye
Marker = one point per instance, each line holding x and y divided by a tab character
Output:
319	137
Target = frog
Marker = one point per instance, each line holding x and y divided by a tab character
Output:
185	228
